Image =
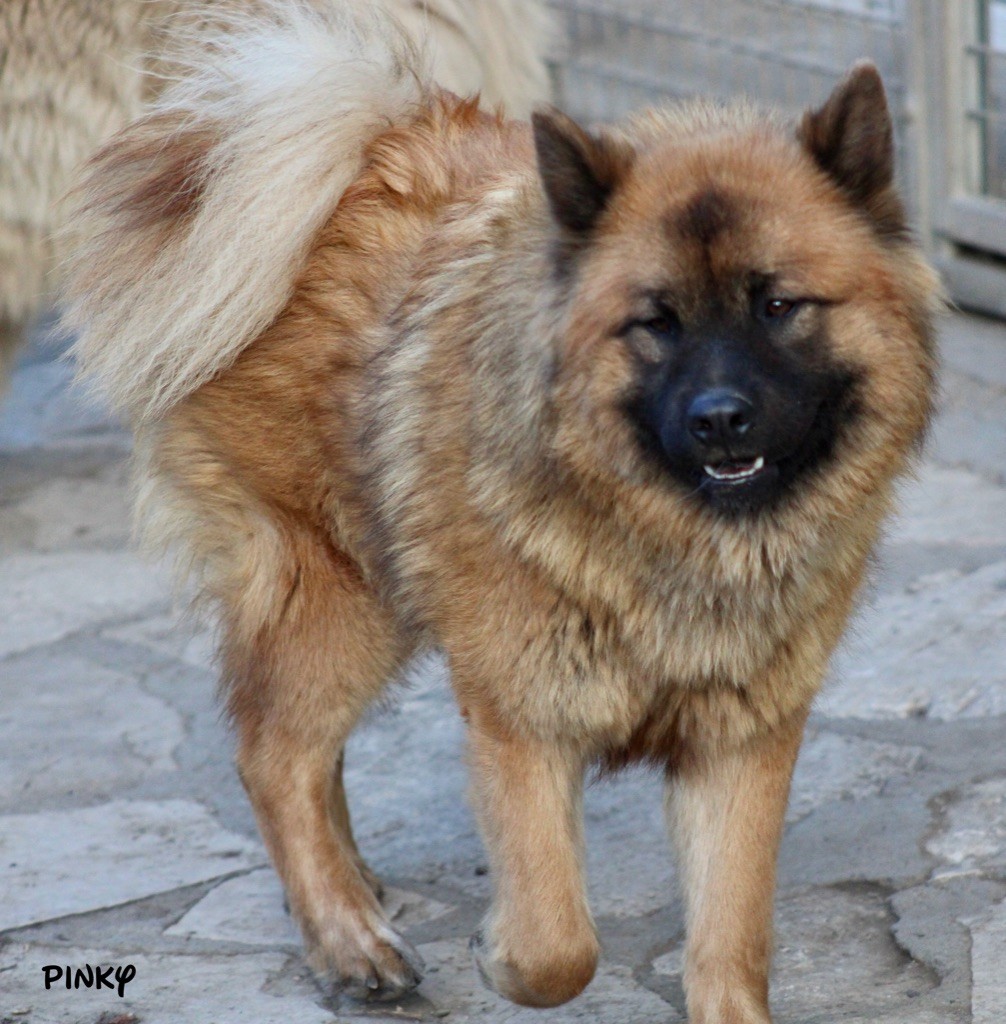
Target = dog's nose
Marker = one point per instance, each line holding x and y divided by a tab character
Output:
719	417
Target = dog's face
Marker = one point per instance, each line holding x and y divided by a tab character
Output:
739	398
743	300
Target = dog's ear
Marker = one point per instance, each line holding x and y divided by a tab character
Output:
851	139
579	171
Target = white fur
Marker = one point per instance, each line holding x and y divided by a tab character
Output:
291	103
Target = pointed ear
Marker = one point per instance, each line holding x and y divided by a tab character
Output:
851	139
578	171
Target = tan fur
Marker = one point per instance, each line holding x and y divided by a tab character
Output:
74	71
428	445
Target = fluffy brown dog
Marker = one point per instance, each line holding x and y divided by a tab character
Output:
74	71
613	419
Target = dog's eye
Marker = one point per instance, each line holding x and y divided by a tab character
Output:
664	324
779	309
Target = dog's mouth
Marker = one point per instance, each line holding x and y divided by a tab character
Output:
735	471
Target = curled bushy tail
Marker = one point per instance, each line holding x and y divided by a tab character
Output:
197	217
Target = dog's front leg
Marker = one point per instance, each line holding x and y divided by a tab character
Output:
537	946
726	810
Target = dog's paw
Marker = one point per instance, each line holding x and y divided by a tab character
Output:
548	978
366	959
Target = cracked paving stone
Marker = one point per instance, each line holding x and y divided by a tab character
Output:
174	634
406	780
55	863
249	909
630	865
949	506
166	989
833	767
66	513
869	840
46	597
70	727
971	427
836	957
931	928
988	968
835	960
934	651
973	838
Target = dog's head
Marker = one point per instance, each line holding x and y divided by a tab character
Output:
745	307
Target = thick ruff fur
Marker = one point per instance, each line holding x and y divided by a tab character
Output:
382	351
74	71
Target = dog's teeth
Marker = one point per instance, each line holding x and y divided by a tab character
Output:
737	474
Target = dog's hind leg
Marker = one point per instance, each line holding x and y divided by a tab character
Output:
305	653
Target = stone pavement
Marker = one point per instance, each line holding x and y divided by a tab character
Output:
126	840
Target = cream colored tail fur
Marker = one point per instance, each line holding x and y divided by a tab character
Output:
198	216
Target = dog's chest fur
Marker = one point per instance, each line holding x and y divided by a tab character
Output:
555	610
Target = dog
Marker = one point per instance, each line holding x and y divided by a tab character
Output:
612	417
74	72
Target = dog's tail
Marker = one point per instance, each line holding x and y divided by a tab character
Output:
196	219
